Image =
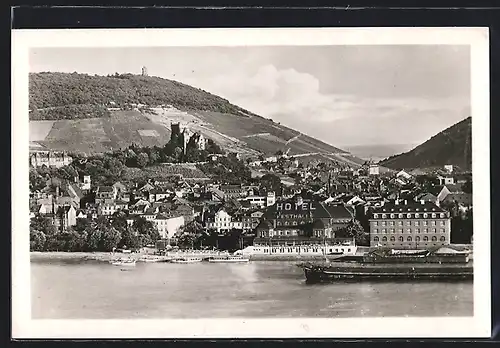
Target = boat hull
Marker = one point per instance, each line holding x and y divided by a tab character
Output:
228	261
186	261
124	264
332	274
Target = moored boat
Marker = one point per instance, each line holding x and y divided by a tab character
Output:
124	262
444	263
186	260
228	259
329	273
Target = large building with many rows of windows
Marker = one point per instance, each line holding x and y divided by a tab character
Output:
409	225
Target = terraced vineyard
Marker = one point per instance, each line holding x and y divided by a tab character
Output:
233	128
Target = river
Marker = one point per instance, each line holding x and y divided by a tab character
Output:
73	289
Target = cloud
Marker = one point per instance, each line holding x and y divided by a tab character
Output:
295	99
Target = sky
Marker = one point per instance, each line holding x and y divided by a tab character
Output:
343	95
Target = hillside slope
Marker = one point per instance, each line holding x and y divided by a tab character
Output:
82	108
451	146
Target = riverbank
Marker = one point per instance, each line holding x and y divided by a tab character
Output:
61	255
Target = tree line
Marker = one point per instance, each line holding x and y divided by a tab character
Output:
101	234
73	96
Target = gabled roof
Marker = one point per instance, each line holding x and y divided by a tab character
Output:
79	194
338	212
105	189
264	225
453	188
318	225
149	211
64	209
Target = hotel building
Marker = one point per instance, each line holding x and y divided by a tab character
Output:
409	225
301	221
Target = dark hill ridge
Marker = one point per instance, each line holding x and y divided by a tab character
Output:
56	96
451	146
79	105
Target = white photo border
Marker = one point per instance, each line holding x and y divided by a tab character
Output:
479	325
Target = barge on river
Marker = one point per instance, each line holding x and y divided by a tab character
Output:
392	265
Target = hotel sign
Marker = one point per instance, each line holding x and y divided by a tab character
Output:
295	206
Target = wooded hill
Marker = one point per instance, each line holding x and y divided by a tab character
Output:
451	146
56	96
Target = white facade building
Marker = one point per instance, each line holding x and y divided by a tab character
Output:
168	226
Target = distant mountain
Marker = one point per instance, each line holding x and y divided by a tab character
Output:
377	152
451	146
84	113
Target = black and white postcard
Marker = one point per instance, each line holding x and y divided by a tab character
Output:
239	183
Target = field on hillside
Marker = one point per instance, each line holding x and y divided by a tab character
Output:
40	129
92	135
269	137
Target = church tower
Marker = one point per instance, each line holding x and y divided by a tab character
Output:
144	71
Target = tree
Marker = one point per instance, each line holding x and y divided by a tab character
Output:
93	240
129	240
270	182
177	154
110	239
356	231
43	224
142	160
467	186
186	241
37	240
37	182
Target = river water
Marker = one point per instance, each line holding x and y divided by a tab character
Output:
96	290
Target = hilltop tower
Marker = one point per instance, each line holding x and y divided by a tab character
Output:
175	128
144	71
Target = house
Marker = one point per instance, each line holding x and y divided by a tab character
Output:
146	188
426	197
287	181
158	194
250	220
140	207
354	201
256	201
374	169
216	195
404	175
81	214
448	168
105	192
446	180
168	225
233	191
50	159
65	217
106	209
86	185
454	193
75	193
150	214
271	198
119	187
45	208
222	221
